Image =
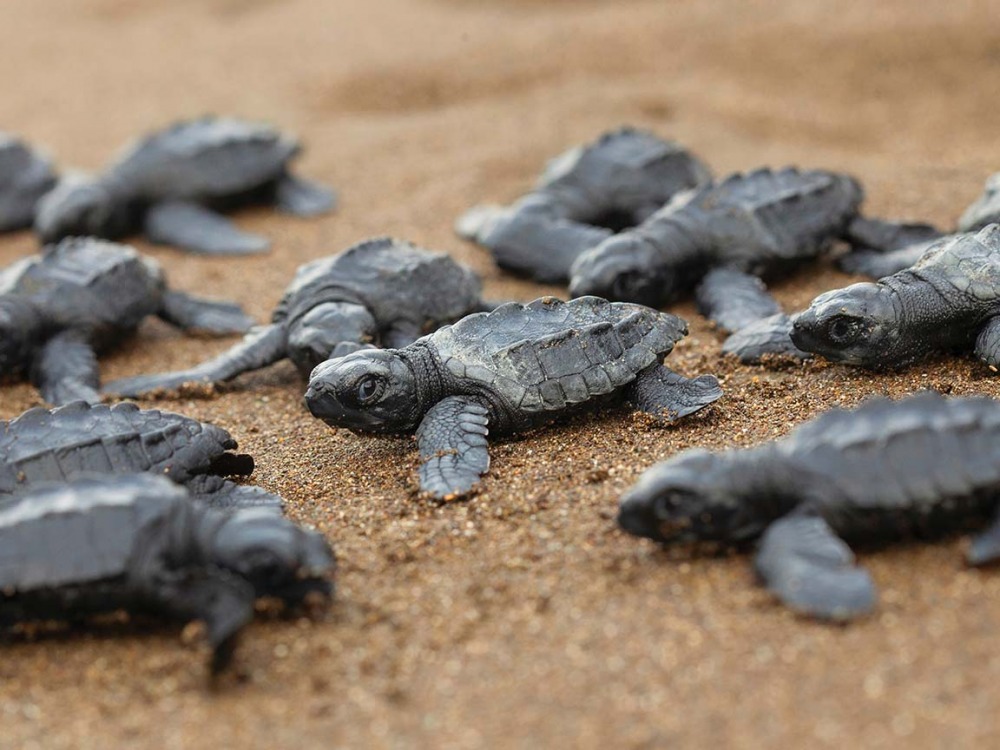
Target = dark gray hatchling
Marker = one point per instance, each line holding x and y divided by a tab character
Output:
44	445
25	176
82	297
170	185
754	224
140	543
382	291
949	300
584	196
921	467
505	371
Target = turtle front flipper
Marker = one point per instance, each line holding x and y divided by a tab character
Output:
453	449
66	370
224	602
195	228
541	247
662	393
203	316
223	494
298	197
806	565
261	347
988	344
734	299
766	336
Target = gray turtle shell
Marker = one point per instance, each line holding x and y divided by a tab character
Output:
55	444
913	455
393	279
210	157
766	216
82	282
646	170
25	175
549	354
965	263
42	533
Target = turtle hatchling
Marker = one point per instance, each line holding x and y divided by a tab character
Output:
754	224
139	543
81	297
382	291
170	185
505	371
583	197
949	300
25	176
53	445
889	470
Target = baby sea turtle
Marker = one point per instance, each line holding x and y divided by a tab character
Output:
949	300
584	196
169	185
81	297
504	371
52	445
139	543
25	176
758	223
886	471
382	291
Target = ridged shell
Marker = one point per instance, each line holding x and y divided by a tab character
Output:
547	354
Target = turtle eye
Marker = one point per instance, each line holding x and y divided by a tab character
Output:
369	389
842	329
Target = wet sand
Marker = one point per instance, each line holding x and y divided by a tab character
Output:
523	617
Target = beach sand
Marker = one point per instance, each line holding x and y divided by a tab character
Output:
522	617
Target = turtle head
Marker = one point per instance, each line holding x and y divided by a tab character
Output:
276	556
373	390
313	337
856	325
687	499
78	205
623	268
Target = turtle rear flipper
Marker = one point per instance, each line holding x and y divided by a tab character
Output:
66	370
203	316
453	449
662	393
878	265
222	494
261	347
222	601
806	565
883	236
298	197
541	247
195	228
985	546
